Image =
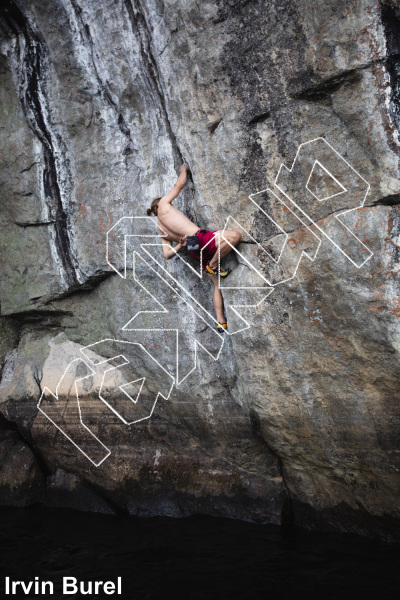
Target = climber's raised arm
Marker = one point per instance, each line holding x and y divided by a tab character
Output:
178	187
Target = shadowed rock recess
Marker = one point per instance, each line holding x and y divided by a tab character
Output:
297	421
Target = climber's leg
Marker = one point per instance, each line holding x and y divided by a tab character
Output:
233	237
218	300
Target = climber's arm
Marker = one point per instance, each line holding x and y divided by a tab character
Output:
169	250
178	187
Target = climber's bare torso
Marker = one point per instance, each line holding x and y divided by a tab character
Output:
173	222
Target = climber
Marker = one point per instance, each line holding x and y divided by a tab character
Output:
174	226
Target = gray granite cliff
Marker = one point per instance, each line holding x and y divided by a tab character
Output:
294	420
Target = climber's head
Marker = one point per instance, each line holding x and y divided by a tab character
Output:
153	207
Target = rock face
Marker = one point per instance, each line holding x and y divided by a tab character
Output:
293	418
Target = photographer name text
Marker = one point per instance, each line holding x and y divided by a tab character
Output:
70	586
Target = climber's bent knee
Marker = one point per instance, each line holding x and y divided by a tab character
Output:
231	236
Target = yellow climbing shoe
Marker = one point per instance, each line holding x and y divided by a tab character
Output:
222	272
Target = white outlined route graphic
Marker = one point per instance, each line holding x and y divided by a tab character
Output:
165	320
290	216
294	184
66	414
342	189
55	410
297	244
122	404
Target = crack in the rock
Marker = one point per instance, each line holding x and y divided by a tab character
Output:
27	440
29	168
141	29
391	25
390	200
325	88
102	85
287	509
12	444
31	95
328	86
213	125
38	377
91	282
33	223
101	493
287	515
260	117
33	315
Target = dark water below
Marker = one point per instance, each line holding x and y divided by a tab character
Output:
195	558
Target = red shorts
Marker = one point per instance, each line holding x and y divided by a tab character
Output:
206	241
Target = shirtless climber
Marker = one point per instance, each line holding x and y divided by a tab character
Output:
178	228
